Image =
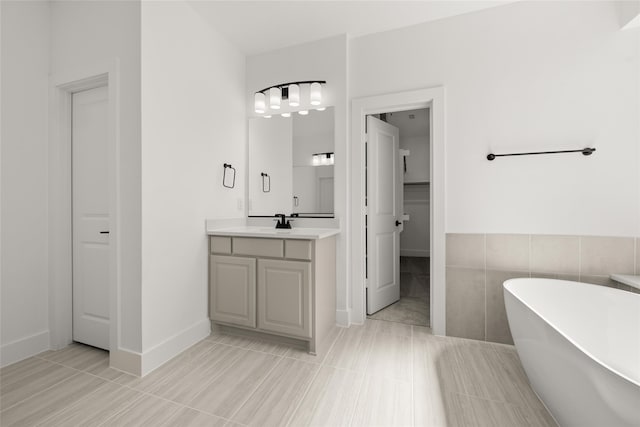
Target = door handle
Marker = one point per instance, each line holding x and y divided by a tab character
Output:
398	223
104	232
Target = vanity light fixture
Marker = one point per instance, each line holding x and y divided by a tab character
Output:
259	101
315	93
273	96
294	95
322	159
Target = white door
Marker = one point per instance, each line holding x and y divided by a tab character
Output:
384	192
90	217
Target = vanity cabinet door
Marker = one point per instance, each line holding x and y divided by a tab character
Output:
232	290
284	297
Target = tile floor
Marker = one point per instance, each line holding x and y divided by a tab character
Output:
382	373
413	308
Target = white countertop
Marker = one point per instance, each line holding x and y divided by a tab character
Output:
627	279
255	231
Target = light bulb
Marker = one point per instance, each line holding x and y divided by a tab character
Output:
274	98
316	160
321	108
286	114
267	116
303	112
259	102
315	93
294	95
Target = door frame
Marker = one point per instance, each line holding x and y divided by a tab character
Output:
432	98
60	246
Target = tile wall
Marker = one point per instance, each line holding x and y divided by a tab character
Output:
478	264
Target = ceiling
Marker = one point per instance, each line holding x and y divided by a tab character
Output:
412	123
261	26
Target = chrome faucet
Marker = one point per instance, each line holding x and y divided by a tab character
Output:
282	223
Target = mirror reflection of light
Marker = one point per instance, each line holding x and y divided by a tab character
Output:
286	114
267	117
303	112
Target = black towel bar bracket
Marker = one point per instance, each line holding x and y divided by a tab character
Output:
229	180
585	151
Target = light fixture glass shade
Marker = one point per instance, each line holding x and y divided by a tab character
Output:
321	108
259	102
267	116
303	112
315	94
286	114
316	160
274	98
294	95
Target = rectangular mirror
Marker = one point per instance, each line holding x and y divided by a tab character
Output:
291	164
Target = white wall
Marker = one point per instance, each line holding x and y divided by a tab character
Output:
527	76
193	121
85	35
418	160
24	287
270	152
323	60
414	239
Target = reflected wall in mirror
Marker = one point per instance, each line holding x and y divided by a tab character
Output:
283	148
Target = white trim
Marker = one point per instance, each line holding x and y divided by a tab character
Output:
18	350
342	318
126	360
422	98
169	348
62	86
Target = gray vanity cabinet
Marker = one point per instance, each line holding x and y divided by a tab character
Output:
232	291
284	297
281	287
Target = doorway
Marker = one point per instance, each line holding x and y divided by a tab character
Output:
66	85
433	99
90	216
410	303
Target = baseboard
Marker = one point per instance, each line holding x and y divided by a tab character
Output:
343	318
126	360
415	253
161	353
23	348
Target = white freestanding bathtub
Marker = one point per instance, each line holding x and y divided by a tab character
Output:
580	347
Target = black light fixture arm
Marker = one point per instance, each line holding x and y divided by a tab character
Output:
284	86
585	151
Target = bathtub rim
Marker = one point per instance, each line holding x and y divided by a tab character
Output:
552	326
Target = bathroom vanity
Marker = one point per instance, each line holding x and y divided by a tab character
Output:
279	283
